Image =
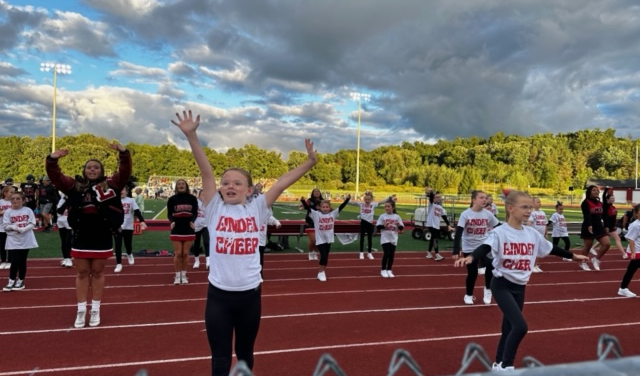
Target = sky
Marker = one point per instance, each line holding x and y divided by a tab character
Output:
273	72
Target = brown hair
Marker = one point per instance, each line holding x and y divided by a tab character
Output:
513	196
245	173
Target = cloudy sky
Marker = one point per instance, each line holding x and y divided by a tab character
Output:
271	72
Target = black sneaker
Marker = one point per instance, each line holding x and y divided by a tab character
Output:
19	285
9	285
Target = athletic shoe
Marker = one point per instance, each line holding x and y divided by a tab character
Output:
507	369
196	263
2	265
130	259
311	256
429	255
80	319
62	263
94	318
118	268
496	366
361	257
9	285
596	263
384	274
370	256
390	274
566	259
626	293
482	271
322	277
207	262
468	299
19	285
68	263
439	257
584	266
486	299
536	269
184	279
177	280
7	265
593	252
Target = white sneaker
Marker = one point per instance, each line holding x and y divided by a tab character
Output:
593	252
118	268
62	263
486	299
482	271
390	274
80	319
130	259
626	293
7	265
94	318
207	262
361	257
536	269
370	256
468	299
596	263
9	285
184	280
584	266
322	277
311	254
496	366
196	263
2	265
566	259
384	274
429	255
439	257
176	280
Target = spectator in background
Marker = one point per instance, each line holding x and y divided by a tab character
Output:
8	182
46	200
140	200
30	190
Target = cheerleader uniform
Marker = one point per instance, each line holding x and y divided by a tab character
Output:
182	210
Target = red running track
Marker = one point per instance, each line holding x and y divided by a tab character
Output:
356	316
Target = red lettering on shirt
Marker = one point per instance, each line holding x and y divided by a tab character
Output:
236	246
523	249
237	225
524	265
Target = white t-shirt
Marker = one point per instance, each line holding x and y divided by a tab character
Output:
366	210
234	231
559	226
434	215
323	225
4	205
263	230
633	235
476	225
200	222
391	223
63	218
129	206
538	221
514	251
22	218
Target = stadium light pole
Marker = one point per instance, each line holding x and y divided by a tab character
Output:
358	97
57	69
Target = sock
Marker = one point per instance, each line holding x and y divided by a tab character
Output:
178	274
82	306
95	305
183	273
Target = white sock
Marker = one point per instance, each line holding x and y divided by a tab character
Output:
183	273
82	306
95	305
178	274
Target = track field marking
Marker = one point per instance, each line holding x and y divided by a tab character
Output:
308	314
305	349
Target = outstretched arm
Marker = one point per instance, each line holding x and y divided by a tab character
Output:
290	177
188	126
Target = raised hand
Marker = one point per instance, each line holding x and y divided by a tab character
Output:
311	154
186	122
117	147
59	153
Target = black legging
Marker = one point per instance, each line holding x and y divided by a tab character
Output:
565	239
228	313
202	235
367	228
18	259
3	251
631	270
65	241
509	297
118	238
435	234
324	250
472	274
389	251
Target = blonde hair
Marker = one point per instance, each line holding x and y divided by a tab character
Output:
513	197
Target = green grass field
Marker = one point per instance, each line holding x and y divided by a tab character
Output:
158	240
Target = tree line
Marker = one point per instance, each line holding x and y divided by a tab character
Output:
549	162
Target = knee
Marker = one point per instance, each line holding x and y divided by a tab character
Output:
97	273
83	273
